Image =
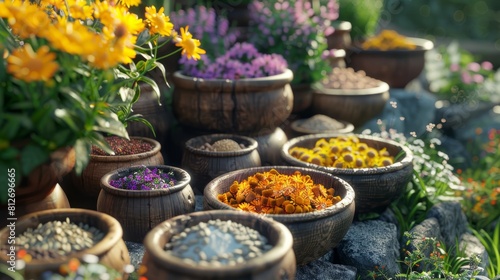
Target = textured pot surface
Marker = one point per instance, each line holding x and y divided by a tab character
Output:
277	263
138	211
245	105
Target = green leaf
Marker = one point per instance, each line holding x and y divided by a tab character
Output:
65	116
31	157
99	140
111	125
153	84
82	152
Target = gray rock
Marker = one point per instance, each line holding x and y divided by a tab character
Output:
472	246
406	111
452	221
368	245
429	228
323	270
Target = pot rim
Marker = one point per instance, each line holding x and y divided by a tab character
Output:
398	165
112	229
118	158
274	255
295	125
250	145
181	184
339	207
287	75
382	88
422	44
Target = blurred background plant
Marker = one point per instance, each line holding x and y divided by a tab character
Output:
363	15
455	75
296	31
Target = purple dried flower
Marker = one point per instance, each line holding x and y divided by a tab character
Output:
145	179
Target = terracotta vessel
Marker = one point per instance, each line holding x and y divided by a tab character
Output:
88	183
138	211
314	233
277	263
232	106
375	187
111	250
205	165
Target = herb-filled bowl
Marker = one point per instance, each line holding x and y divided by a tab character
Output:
141	197
377	169
317	207
219	244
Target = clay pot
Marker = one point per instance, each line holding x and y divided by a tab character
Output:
138	211
395	67
341	37
88	183
314	233
376	188
40	190
277	263
111	250
155	110
232	106
356	106
302	97
204	165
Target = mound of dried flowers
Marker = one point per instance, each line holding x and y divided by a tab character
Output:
274	193
388	40
145	179
343	152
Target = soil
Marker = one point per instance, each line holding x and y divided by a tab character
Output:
122	146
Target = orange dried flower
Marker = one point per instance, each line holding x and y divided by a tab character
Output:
279	194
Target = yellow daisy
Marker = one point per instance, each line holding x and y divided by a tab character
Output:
157	22
190	46
28	65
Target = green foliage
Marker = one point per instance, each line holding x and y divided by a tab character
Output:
446	18
362	14
491	241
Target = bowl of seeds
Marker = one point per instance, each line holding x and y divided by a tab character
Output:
317	207
219	244
49	239
351	96
378	169
208	156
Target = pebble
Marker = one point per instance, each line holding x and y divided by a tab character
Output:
347	78
224	243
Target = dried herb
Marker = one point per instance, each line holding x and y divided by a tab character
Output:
274	193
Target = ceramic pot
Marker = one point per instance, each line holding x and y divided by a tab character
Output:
270	143
314	233
377	187
302	97
111	250
205	165
341	37
40	190
277	263
232	106
395	67
155	110
88	184
356	106
141	210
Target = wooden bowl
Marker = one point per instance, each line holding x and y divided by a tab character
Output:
138	211
314	233
89	182
204	165
232	106
356	106
277	263
111	250
375	187
395	67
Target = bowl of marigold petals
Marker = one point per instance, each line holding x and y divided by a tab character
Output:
377	169
317	207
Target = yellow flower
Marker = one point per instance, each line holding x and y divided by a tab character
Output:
130	3
190	46
158	22
28	65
